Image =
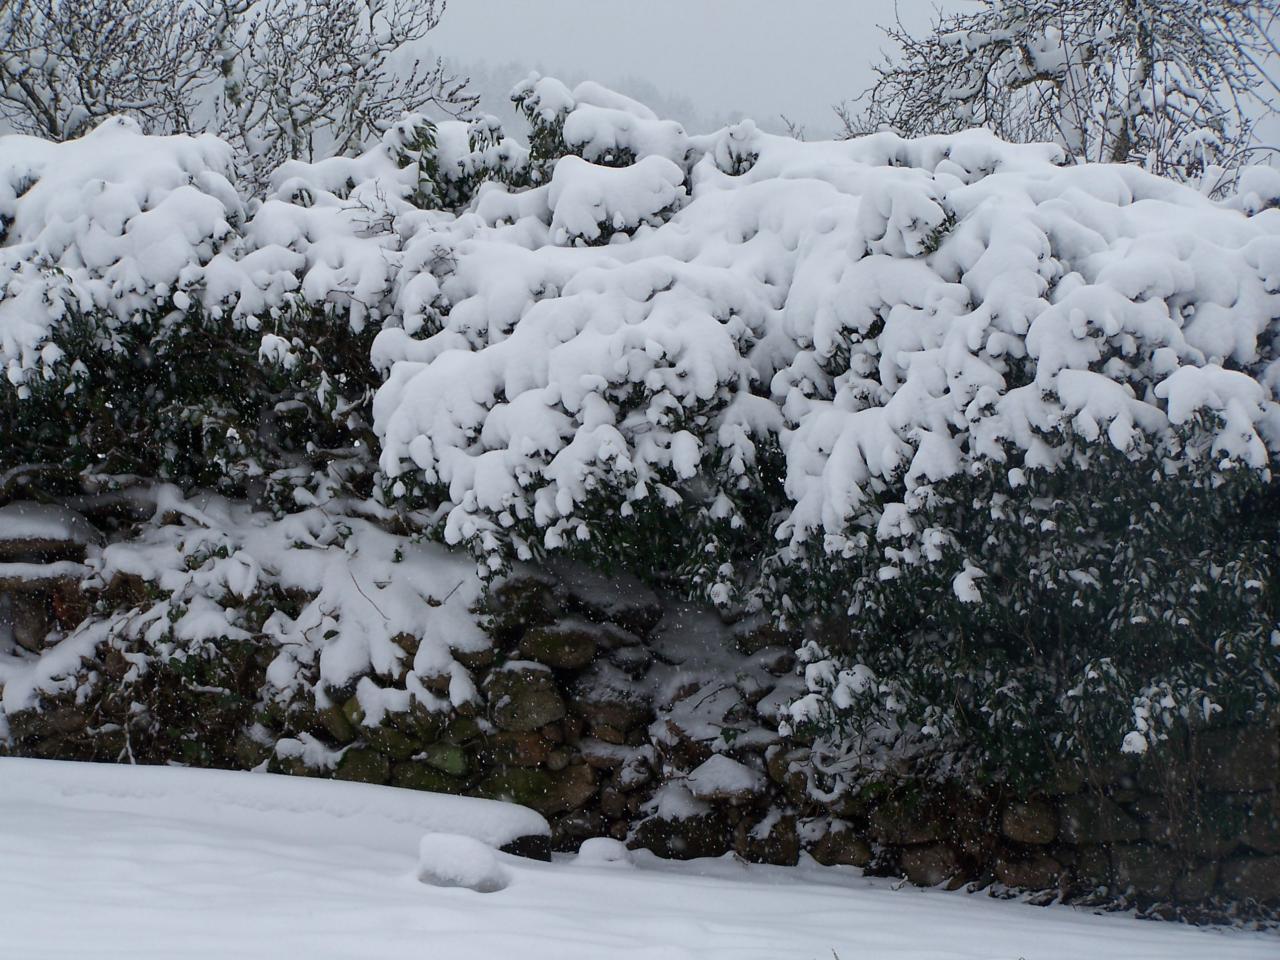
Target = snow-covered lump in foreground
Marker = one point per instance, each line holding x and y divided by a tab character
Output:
450	860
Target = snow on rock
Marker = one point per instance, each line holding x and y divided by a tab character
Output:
284	807
451	860
27	527
725	779
361	588
600	851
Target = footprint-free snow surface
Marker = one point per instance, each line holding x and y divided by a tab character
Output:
129	862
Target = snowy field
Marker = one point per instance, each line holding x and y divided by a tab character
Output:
104	862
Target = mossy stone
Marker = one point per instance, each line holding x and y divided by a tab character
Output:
412	775
363	765
448	758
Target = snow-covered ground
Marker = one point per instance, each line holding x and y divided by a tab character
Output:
107	862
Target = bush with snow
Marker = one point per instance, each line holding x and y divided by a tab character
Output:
997	430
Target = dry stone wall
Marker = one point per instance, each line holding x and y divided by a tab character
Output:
617	714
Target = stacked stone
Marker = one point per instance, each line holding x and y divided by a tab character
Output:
615	715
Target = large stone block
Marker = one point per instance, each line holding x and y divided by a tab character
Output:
569	645
523	697
1239	759
1090	819
905	821
1030	873
772	839
1252	878
841	845
1035	822
363	766
931	865
1145	869
687	838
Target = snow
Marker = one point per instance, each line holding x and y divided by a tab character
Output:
25	520
451	860
132	863
596	851
364	587
641	316
720	778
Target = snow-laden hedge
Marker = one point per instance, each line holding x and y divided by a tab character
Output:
950	388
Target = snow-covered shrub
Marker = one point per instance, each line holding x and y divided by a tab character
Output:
592	122
854	378
151	325
110	364
216	612
946	397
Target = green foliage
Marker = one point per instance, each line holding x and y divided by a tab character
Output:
1121	600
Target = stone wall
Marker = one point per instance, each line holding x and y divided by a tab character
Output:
615	714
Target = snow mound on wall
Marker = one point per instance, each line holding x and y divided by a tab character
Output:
282	806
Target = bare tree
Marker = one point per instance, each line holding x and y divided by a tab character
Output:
313	78
66	65
1164	83
281	78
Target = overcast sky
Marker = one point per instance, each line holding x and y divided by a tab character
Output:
759	57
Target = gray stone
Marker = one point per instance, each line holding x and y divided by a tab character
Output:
412	775
607	697
930	865
1145	869
1215	830
521	602
1033	873
616	598
333	721
1252	878
447	758
523	698
1262	827
702	835
386	739
1197	883
47	534
527	748
722	779
772	839
30	619
841	845
752	636
1090	819
1093	866
900	821
567	645
548	793
1034	823
363	766
1240	759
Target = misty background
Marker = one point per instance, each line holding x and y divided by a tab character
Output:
701	62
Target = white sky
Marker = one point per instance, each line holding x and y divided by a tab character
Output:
759	57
